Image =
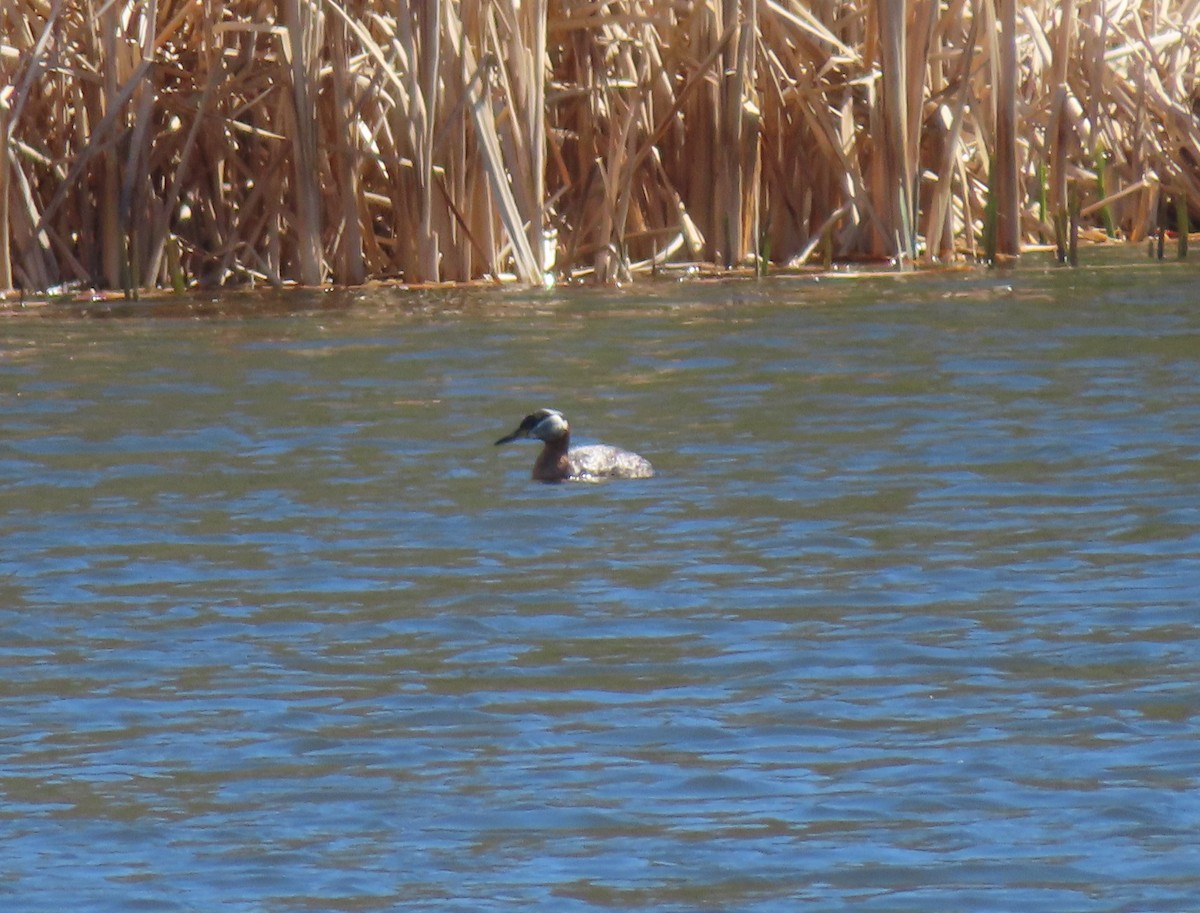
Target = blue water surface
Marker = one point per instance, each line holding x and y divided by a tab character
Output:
907	621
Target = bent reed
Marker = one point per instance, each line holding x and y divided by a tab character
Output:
176	142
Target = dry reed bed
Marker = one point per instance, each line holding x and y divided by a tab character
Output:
169	142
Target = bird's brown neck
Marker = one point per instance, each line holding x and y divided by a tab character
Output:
552	464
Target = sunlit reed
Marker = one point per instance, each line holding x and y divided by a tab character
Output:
173	142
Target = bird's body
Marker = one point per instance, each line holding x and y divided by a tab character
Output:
559	463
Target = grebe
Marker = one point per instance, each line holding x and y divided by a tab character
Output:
557	463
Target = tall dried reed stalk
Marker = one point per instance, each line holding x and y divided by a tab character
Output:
164	142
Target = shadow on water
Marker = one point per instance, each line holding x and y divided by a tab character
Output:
906	621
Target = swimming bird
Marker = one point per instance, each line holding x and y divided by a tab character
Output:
558	463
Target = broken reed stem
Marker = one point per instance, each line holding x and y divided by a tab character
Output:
303	25
895	168
6	274
991	218
1182	226
1073	205
306	141
1007	239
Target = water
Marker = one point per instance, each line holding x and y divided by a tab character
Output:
908	621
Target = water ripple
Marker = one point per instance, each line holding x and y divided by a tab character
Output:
907	620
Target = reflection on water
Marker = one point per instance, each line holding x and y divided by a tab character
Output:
906	622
